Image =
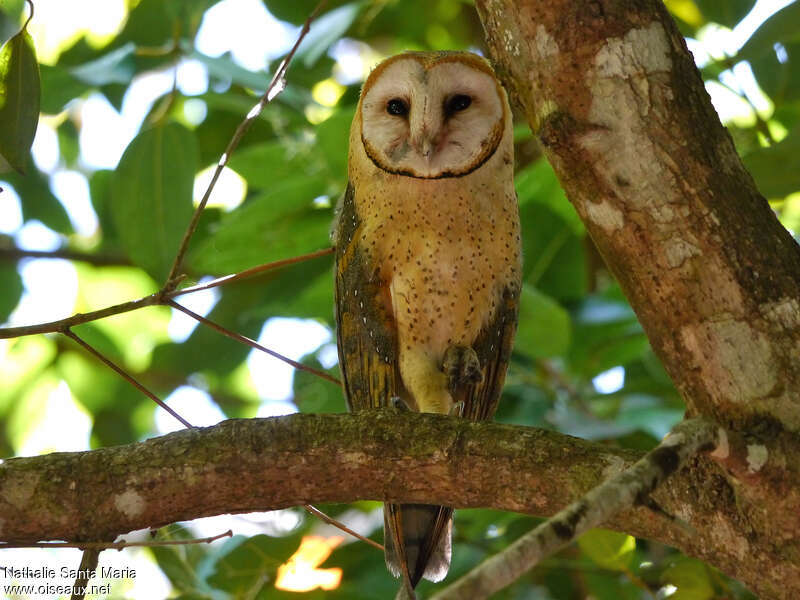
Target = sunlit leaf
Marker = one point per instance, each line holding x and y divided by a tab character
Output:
772	182
727	12
609	549
686	11
278	224
326	30
782	27
20	91
37	201
59	86
251	564
692	579
115	67
778	72
151	195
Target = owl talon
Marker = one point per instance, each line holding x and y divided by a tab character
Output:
462	367
398	403
457	410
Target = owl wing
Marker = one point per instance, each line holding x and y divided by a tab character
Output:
367	338
493	347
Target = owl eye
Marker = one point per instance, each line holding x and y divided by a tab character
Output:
457	103
397	107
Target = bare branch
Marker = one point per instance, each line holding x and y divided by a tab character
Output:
338	524
119	545
274	88
100	260
79	318
86	569
151	300
246	465
252	343
250	272
125	375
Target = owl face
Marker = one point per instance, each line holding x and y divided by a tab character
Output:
432	115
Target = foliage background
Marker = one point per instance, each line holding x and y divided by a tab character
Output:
581	363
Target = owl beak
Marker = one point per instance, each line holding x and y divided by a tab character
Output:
425	145
426	148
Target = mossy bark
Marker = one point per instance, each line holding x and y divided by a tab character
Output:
613	95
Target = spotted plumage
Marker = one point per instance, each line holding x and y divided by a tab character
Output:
427	261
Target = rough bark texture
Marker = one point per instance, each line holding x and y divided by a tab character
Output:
621	111
265	464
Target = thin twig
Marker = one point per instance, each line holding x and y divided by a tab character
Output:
99	260
151	300
124	374
86	570
249	273
338	524
274	88
250	342
79	318
117	545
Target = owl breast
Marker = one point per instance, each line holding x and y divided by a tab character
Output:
446	251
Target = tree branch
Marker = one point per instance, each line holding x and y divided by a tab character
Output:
266	464
157	299
100	260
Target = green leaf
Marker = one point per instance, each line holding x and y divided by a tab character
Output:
544	326
605	334
692	579
555	260
779	77
20	94
326	30
225	68
270	163
538	184
117	66
315	395
782	27
332	137
36	199
609	549
247	565
58	88
151	195
771	181
727	13
68	145
278	224
100	193
295	11
10	289
207	350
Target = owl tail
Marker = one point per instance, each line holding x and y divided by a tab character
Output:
417	541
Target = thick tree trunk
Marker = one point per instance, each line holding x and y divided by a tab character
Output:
614	96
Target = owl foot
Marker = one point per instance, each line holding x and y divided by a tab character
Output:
457	410
462	367
398	403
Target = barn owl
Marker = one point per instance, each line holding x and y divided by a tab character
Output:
428	262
